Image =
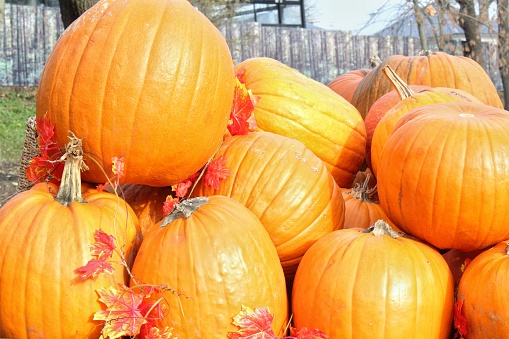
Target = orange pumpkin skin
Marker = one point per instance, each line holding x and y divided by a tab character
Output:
443	175
345	84
146	202
351	284
483	291
42	243
378	110
436	70
362	208
152	81
286	186
221	258
386	123
457	260
293	105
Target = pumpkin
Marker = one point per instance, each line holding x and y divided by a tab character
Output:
374	283
482	294
362	207
217	255
44	237
381	126
345	84
286	186
146	202
293	105
152	81
436	70
458	260
443	175
385	103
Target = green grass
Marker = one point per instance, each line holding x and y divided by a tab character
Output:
17	104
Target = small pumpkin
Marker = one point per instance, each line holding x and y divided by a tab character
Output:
296	106
482	294
437	69
131	77
374	283
45	236
345	84
286	186
218	256
442	175
362	208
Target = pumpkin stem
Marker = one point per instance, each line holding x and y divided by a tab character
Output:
70	186
184	209
403	89
375	61
361	190
381	227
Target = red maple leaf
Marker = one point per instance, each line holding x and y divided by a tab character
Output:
122	315
169	204
93	268
182	188
242	119
240	75
117	165
215	172
253	324
153	308
104	245
465	264
156	333
102	249
460	322
44	167
305	333
45	134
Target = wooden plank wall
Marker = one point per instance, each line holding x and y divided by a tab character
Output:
30	32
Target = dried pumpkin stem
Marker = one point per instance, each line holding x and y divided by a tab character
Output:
70	187
403	89
380	227
184	209
360	191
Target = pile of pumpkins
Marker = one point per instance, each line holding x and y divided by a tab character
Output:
349	209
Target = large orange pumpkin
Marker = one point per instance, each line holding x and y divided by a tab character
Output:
374	283
149	80
286	186
293	105
443	175
379	126
482	292
217	255
436	70
44	238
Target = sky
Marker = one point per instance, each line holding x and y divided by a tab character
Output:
350	15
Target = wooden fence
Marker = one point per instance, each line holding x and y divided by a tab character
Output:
30	32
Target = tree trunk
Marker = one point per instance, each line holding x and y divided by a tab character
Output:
70	10
473	47
420	25
2	12
484	16
503	47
